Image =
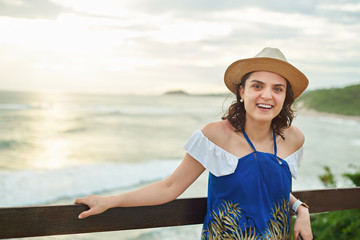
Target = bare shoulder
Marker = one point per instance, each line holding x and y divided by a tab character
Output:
217	131
294	137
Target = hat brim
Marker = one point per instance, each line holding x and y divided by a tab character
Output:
238	69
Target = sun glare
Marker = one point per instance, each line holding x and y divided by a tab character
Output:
52	146
53	156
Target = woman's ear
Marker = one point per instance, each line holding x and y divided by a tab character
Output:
241	92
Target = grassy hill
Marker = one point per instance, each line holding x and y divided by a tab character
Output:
344	101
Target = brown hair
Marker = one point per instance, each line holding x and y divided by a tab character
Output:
236	112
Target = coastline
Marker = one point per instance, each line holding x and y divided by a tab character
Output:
312	112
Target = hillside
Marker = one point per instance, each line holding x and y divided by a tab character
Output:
344	101
176	92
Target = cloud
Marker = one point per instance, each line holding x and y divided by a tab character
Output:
43	9
345	13
166	44
341	7
202	7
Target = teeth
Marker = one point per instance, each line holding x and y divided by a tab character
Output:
264	106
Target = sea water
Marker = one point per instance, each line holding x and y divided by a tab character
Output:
57	147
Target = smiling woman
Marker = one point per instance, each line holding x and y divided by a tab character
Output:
250	157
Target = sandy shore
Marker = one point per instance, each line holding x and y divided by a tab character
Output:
311	112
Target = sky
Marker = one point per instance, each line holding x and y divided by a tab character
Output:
152	46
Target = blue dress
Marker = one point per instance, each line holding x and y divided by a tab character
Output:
248	198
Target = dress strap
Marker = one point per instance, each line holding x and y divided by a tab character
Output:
252	146
275	146
248	140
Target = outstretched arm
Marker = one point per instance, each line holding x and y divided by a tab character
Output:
157	193
302	226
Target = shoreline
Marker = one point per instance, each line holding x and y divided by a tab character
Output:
311	112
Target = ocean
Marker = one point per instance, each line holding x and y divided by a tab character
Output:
57	147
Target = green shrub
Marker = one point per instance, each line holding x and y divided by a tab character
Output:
338	224
344	101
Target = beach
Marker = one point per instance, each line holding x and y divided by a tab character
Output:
311	112
55	148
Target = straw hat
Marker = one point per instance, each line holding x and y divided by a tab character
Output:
271	60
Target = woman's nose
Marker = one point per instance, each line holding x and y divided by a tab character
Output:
266	94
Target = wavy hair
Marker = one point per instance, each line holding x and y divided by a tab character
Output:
236	112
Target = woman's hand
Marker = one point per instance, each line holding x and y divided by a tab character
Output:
97	205
302	226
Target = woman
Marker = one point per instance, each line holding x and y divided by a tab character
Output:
251	155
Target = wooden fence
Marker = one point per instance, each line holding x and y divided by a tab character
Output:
20	222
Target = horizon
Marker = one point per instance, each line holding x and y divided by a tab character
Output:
166	92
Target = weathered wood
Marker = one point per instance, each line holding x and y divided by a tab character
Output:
58	220
330	199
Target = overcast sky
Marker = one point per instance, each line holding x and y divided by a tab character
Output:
150	46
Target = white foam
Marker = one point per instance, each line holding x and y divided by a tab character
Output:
128	110
355	142
13	106
338	120
36	187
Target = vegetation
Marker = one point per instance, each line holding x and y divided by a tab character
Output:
184	93
345	101
339	224
176	92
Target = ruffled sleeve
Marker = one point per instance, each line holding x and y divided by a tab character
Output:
294	161
215	159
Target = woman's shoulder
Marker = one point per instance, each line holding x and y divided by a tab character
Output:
217	131
294	137
208	149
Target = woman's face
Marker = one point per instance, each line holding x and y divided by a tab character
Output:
264	95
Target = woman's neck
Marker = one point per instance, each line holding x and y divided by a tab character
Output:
258	131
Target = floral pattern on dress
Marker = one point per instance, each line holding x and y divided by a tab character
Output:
232	222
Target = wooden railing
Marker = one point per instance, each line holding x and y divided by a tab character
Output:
62	219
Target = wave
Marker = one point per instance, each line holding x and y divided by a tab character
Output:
340	121
75	130
40	186
6	144
12	106
355	142
111	110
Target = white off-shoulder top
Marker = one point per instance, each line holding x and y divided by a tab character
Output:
219	162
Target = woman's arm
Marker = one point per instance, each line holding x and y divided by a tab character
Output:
302	226
157	193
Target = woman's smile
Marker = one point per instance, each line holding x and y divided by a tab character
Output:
264	106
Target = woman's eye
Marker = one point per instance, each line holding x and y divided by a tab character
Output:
278	89
256	86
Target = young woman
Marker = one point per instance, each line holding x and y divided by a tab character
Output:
251	156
